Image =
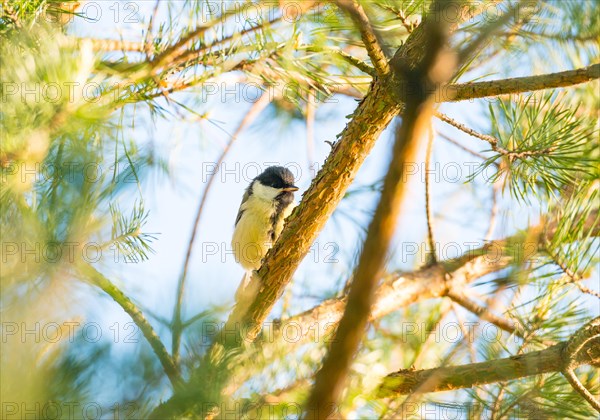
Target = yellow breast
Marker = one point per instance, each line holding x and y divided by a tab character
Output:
251	237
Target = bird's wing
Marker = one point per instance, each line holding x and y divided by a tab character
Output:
241	210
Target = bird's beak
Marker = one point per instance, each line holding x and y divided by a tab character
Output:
291	188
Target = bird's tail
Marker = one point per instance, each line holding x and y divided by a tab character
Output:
241	292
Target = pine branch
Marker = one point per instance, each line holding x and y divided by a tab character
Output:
168	365
494	142
369	37
330	379
485	137
466	91
399	290
511	368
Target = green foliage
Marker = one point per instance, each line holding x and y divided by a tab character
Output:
127	233
545	147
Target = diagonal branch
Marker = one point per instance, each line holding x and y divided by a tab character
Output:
458	296
431	254
99	280
369	37
485	137
331	378
467	376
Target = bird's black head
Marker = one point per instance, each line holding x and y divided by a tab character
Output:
278	177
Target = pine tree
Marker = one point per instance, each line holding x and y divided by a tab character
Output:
524	300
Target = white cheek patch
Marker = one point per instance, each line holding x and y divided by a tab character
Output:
264	192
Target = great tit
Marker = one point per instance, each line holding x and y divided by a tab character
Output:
268	200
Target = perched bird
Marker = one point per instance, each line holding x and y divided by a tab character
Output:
267	202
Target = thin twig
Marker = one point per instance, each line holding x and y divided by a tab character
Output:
458	296
493	210
409	26
573	277
491	140
369	37
178	326
494	142
431	255
460	146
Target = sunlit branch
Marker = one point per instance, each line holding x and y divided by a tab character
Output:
369	36
474	90
467	376
330	379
